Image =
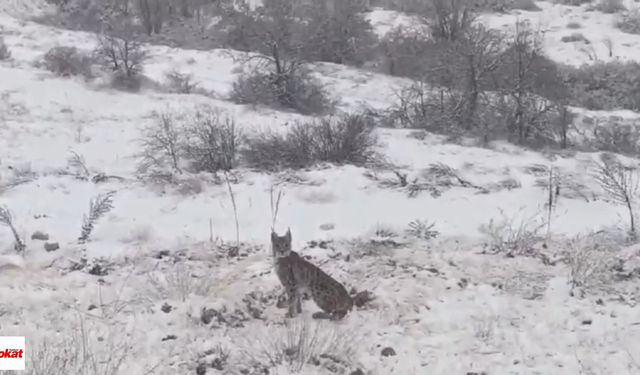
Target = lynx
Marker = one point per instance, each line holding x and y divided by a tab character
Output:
299	276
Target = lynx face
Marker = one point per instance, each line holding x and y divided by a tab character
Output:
281	245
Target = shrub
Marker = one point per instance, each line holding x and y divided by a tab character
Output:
405	6
513	235
313	31
339	34
67	61
181	83
610	6
605	85
300	346
5	54
211	141
573	2
574	37
346	140
296	90
591	258
161	145
614	136
529	5
408	52
620	184
629	22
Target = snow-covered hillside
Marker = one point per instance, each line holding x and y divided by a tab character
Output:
161	289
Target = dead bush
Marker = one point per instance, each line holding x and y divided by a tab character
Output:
211	141
420	107
345	140
298	347
591	259
295	90
514	235
68	61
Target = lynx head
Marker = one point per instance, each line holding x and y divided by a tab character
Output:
281	245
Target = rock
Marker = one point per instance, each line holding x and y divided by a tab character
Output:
388	352
41	236
201	369
219	363
207	315
92	307
51	246
161	254
357	372
320	315
169	337
97	270
586	322
166	308
327	226
362	298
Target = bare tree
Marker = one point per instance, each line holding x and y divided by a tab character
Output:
152	14
338	32
449	18
620	183
161	144
478	51
531	86
276	30
118	51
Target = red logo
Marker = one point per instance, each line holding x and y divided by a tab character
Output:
11	353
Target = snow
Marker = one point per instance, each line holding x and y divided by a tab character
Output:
442	305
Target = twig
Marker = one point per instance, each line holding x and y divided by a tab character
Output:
235	208
7	219
210	230
274	209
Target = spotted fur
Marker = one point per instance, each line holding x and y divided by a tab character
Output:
299	276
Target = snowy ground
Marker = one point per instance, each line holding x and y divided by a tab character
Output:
161	255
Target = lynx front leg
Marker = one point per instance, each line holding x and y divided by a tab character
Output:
298	303
292	296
